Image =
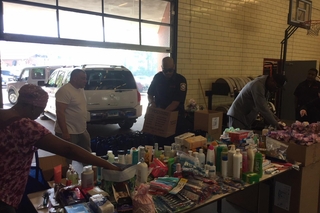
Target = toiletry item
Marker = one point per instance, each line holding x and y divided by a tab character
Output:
220	148
87	179
237	164
258	159
156	153
178	172
245	167
135	157
250	157
202	158
211	156
231	152
212	171
110	156
142	172
128	157
150	151
167	151
224	165
190	152
95	170
196	159
121	157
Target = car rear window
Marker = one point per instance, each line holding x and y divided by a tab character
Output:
109	80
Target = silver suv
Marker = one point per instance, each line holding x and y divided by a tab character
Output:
111	92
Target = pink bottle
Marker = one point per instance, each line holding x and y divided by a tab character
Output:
245	162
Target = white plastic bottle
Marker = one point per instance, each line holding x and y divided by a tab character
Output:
224	166
87	178
231	152
202	158
211	156
237	164
250	157
141	172
196	159
128	157
110	156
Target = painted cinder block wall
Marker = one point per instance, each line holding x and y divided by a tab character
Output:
230	38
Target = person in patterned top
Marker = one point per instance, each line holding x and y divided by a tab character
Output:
21	136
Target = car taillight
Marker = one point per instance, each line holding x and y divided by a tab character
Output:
138	96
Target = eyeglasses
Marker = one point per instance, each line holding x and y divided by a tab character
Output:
168	70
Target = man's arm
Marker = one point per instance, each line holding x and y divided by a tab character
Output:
173	106
151	101
61	119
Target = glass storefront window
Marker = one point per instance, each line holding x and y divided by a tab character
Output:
29	20
125	8
155	35
121	31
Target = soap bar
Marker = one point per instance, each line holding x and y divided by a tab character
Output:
100	204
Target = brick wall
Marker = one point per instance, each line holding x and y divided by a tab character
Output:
220	38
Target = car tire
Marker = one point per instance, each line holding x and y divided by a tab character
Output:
126	124
12	97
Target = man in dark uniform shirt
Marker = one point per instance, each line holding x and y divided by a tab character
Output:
168	91
306	97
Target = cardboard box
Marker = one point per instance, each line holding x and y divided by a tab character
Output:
48	163
297	191
306	155
293	152
254	198
179	139
160	122
194	142
209	121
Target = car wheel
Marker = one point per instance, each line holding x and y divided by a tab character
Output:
126	124
12	96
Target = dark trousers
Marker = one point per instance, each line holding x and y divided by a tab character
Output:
5	208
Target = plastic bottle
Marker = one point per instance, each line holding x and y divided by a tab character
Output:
218	158
212	171
231	152
110	156
128	157
244	162
196	159
202	158
250	154
141	172
95	170
69	176
211	156
224	165
178	172
135	157
156	153
121	157
87	179
190	152
258	160
237	164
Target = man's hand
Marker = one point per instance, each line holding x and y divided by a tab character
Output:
303	112
152	104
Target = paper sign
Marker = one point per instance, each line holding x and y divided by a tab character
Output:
282	195
215	123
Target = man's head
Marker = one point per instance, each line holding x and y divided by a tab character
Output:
168	67
312	74
78	78
34	97
276	82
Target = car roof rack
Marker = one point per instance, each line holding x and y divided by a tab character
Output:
101	65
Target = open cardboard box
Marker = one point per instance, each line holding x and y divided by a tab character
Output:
48	163
209	121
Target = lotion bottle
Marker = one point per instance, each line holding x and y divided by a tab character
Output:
231	152
237	164
211	159
142	172
250	156
224	165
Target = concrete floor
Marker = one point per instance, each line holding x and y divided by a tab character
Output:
113	129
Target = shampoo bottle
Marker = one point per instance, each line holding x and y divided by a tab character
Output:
237	164
211	159
142	173
218	158
224	165
244	161
258	159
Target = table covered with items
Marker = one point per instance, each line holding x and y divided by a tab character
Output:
195	171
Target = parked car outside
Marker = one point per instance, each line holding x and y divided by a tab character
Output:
29	75
144	81
5	79
111	93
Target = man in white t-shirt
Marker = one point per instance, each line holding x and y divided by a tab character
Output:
71	111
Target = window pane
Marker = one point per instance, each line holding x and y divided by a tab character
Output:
29	20
126	8
121	31
155	10
51	2
80	26
94	6
155	35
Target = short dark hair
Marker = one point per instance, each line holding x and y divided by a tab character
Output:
279	79
314	70
75	72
